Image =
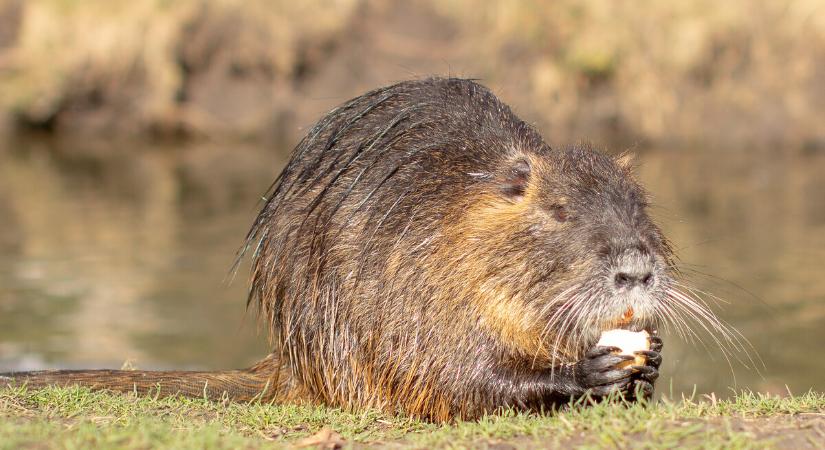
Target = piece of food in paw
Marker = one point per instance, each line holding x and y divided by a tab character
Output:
629	342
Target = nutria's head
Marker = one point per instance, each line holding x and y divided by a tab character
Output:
567	249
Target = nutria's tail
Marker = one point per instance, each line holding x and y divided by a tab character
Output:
263	381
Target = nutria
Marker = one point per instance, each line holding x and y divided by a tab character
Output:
426	252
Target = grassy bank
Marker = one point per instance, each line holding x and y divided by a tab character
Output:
78	418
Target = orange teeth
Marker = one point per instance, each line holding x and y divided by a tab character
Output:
626	317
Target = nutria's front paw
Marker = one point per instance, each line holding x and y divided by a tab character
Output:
646	375
598	373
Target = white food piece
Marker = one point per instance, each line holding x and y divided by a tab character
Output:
629	342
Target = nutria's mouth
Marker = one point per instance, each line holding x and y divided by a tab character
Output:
631	322
627	317
628	321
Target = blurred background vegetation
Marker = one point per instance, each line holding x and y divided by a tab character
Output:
136	138
738	72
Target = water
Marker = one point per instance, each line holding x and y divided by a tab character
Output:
112	253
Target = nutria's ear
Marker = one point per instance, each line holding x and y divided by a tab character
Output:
626	160
516	178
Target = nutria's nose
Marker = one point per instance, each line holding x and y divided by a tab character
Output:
628	280
634	268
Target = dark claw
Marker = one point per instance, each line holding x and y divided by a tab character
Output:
646	373
595	352
656	343
654	358
609	362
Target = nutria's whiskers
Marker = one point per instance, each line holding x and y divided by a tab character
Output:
688	305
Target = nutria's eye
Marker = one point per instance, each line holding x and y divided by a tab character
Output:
559	213
516	180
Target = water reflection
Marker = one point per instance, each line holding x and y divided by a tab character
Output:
750	228
114	254
110	254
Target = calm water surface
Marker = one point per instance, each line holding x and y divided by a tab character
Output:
111	253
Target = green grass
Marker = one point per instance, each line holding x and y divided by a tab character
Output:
78	418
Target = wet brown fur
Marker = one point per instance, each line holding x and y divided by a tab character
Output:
394	262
